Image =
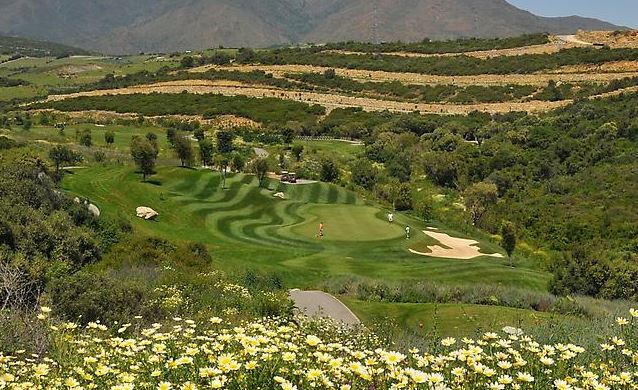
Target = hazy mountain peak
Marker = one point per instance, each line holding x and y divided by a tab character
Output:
163	25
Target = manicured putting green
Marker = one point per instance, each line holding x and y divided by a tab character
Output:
347	223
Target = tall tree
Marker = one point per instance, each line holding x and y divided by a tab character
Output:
199	134
225	141
260	168
61	154
144	155
329	170
187	62
478	198
221	161
297	151
184	150
508	239
424	209
237	163
206	152
224	147
152	138
86	138
364	173
171	134
109	137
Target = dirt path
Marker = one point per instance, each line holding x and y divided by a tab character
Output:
556	43
547	48
613	39
320	304
574	40
327	100
221	121
539	79
453	247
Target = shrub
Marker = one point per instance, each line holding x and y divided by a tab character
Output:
89	296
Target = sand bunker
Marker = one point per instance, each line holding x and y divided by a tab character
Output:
455	248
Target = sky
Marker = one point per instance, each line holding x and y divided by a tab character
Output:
621	12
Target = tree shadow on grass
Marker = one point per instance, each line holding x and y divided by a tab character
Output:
154	182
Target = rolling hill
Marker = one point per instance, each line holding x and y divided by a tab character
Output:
32	48
120	26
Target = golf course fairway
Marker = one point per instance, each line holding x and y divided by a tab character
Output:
245	226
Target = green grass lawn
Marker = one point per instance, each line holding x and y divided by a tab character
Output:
246	226
123	135
449	319
65	73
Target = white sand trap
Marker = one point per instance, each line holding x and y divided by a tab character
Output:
457	248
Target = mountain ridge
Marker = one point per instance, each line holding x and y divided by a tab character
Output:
119	26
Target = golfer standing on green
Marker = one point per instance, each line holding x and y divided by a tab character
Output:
407	232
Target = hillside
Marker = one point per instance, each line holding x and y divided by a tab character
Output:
467	201
31	48
118	26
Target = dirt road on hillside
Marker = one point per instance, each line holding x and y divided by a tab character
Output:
540	79
327	100
555	44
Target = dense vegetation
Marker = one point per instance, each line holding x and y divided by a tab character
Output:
43	233
446	66
420	93
54	249
7	82
438	47
567	179
266	110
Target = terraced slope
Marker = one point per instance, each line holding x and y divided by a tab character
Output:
246	226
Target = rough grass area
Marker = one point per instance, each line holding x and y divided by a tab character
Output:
449	319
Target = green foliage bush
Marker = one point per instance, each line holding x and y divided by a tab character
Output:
446	66
428	46
267	110
89	296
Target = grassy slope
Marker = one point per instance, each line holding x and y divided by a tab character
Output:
246	227
44	75
449	319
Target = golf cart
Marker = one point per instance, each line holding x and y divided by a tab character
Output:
292	178
284	176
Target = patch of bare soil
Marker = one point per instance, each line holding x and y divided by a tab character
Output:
329	101
97	116
548	48
613	39
72	70
540	79
607	67
232	121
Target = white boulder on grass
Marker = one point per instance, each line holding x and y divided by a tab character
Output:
93	209
146	212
